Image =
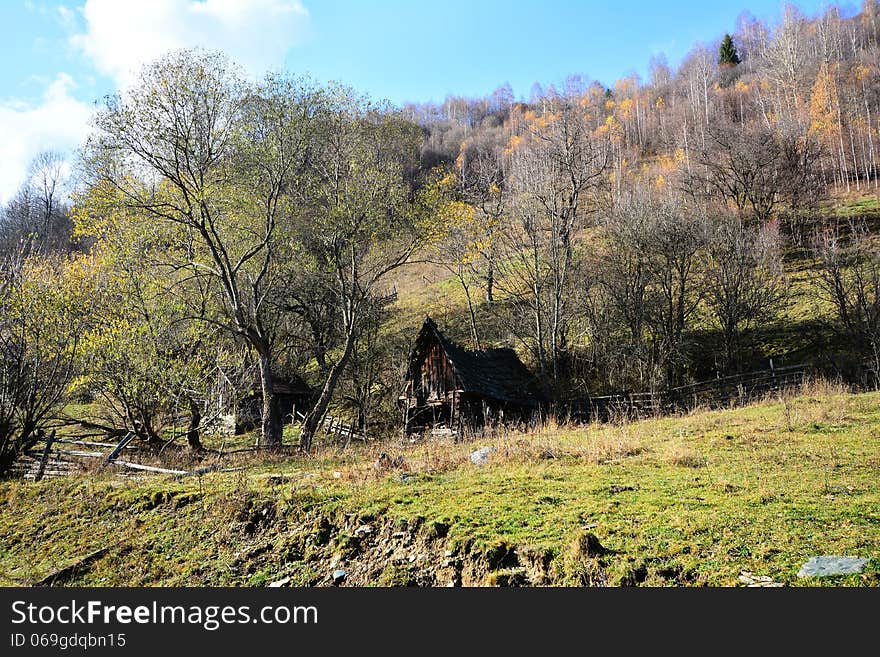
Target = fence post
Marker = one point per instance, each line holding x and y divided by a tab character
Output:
116	450
44	459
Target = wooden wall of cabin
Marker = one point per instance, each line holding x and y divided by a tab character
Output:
437	378
444	413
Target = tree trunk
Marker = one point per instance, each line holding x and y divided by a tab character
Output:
271	416
192	431
313	418
475	335
490	282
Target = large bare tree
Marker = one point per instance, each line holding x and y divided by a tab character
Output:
366	218
556	168
216	160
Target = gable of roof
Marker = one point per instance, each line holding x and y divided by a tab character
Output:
493	373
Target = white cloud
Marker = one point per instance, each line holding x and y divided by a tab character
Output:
66	17
120	37
57	122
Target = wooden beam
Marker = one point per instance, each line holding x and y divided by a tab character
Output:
88	443
122	443
45	457
73	452
148	468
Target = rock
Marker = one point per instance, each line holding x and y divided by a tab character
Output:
757	581
338	576
615	489
337	474
279	583
481	456
825	565
363	530
398	535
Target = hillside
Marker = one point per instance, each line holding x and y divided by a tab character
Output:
692	500
249	254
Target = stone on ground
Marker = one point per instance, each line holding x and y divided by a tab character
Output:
826	565
481	456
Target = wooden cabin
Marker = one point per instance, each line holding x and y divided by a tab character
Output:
240	399
450	387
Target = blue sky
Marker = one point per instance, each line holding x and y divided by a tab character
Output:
61	56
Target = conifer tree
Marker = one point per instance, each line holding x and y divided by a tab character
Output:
727	55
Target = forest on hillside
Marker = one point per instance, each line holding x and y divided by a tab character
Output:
636	236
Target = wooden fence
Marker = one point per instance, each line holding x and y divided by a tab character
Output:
714	393
60	457
335	426
52	459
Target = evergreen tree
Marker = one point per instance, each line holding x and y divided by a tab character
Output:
727	55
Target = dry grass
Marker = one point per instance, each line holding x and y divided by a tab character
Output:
683	456
686	500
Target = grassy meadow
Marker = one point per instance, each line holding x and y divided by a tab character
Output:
689	500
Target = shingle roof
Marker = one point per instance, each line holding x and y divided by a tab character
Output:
493	373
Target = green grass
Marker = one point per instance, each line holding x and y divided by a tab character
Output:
757	489
868	206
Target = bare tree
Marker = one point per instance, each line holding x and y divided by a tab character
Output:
556	168
41	321
37	218
849	278
672	242
757	171
191	147
618	306
745	282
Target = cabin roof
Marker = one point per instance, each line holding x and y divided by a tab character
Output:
291	384
492	373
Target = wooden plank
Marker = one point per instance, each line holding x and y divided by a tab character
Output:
79	454
45	457
148	468
88	443
119	447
